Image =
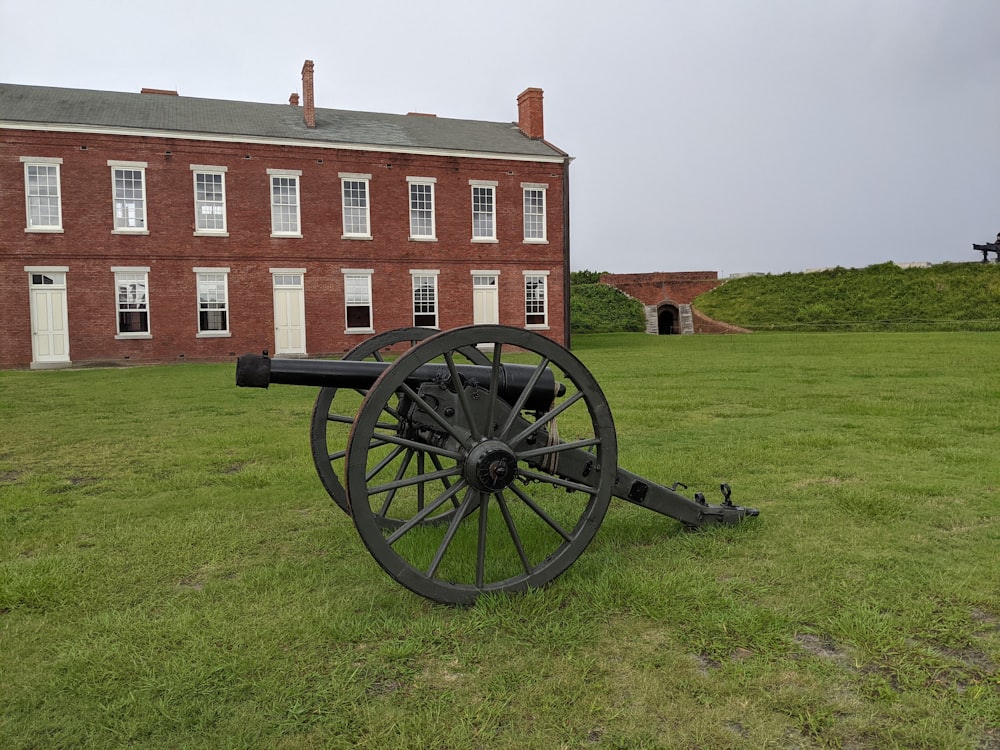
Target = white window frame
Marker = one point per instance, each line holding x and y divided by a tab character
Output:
479	188
358	296
419	285
422	182
126	210
132	275
293	176
531	303
200	205
350	211
35	200
208	276
532	216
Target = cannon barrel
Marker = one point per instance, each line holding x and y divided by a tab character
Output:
259	371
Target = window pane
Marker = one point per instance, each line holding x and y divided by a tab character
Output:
43	195
209	198
358	317
534	214
213	308
421	210
482	212
133	306
355	207
130	203
534	300
425	301
357	300
284	205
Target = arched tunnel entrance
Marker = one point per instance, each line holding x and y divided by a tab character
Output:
668	320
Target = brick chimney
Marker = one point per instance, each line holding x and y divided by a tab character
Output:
308	104
294	99
529	113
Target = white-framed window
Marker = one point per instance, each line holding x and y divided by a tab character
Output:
358	300
213	301
128	184
285	217
209	200
42	194
536	308
132	300
354	189
422	226
484	209
534	212
425	298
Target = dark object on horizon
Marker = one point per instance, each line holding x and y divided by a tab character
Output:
989	247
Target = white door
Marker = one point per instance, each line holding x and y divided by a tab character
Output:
485	299
289	314
49	319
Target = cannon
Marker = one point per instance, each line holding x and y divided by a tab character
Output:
474	460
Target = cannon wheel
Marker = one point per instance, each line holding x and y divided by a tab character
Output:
329	427
516	525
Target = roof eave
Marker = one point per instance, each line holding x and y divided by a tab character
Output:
557	157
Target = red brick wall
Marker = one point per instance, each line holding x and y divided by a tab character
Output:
89	249
653	288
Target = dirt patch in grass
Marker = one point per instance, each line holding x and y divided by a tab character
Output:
972	658
823	646
989	621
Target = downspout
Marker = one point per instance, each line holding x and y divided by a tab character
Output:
566	271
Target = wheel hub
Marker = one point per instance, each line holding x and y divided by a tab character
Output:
491	466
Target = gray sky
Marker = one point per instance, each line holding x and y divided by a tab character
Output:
726	135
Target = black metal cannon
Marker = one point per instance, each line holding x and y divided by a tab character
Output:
481	459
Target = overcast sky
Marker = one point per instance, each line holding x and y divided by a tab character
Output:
726	135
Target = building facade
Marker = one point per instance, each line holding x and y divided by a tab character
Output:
153	227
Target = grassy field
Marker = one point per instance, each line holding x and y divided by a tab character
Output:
173	576
882	297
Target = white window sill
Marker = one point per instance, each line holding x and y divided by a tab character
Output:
535	241
355	237
206	233
423	239
213	335
537	327
43	230
487	240
126	336
129	231
287	235
368	331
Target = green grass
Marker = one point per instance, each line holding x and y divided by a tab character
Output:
884	297
173	576
596	308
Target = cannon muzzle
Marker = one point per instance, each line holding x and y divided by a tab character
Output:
259	371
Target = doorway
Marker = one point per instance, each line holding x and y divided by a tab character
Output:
49	319
289	311
667	320
485	298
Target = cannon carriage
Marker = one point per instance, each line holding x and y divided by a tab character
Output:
480	459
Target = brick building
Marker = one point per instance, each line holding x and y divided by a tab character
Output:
152	227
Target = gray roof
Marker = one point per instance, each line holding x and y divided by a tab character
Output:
86	109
